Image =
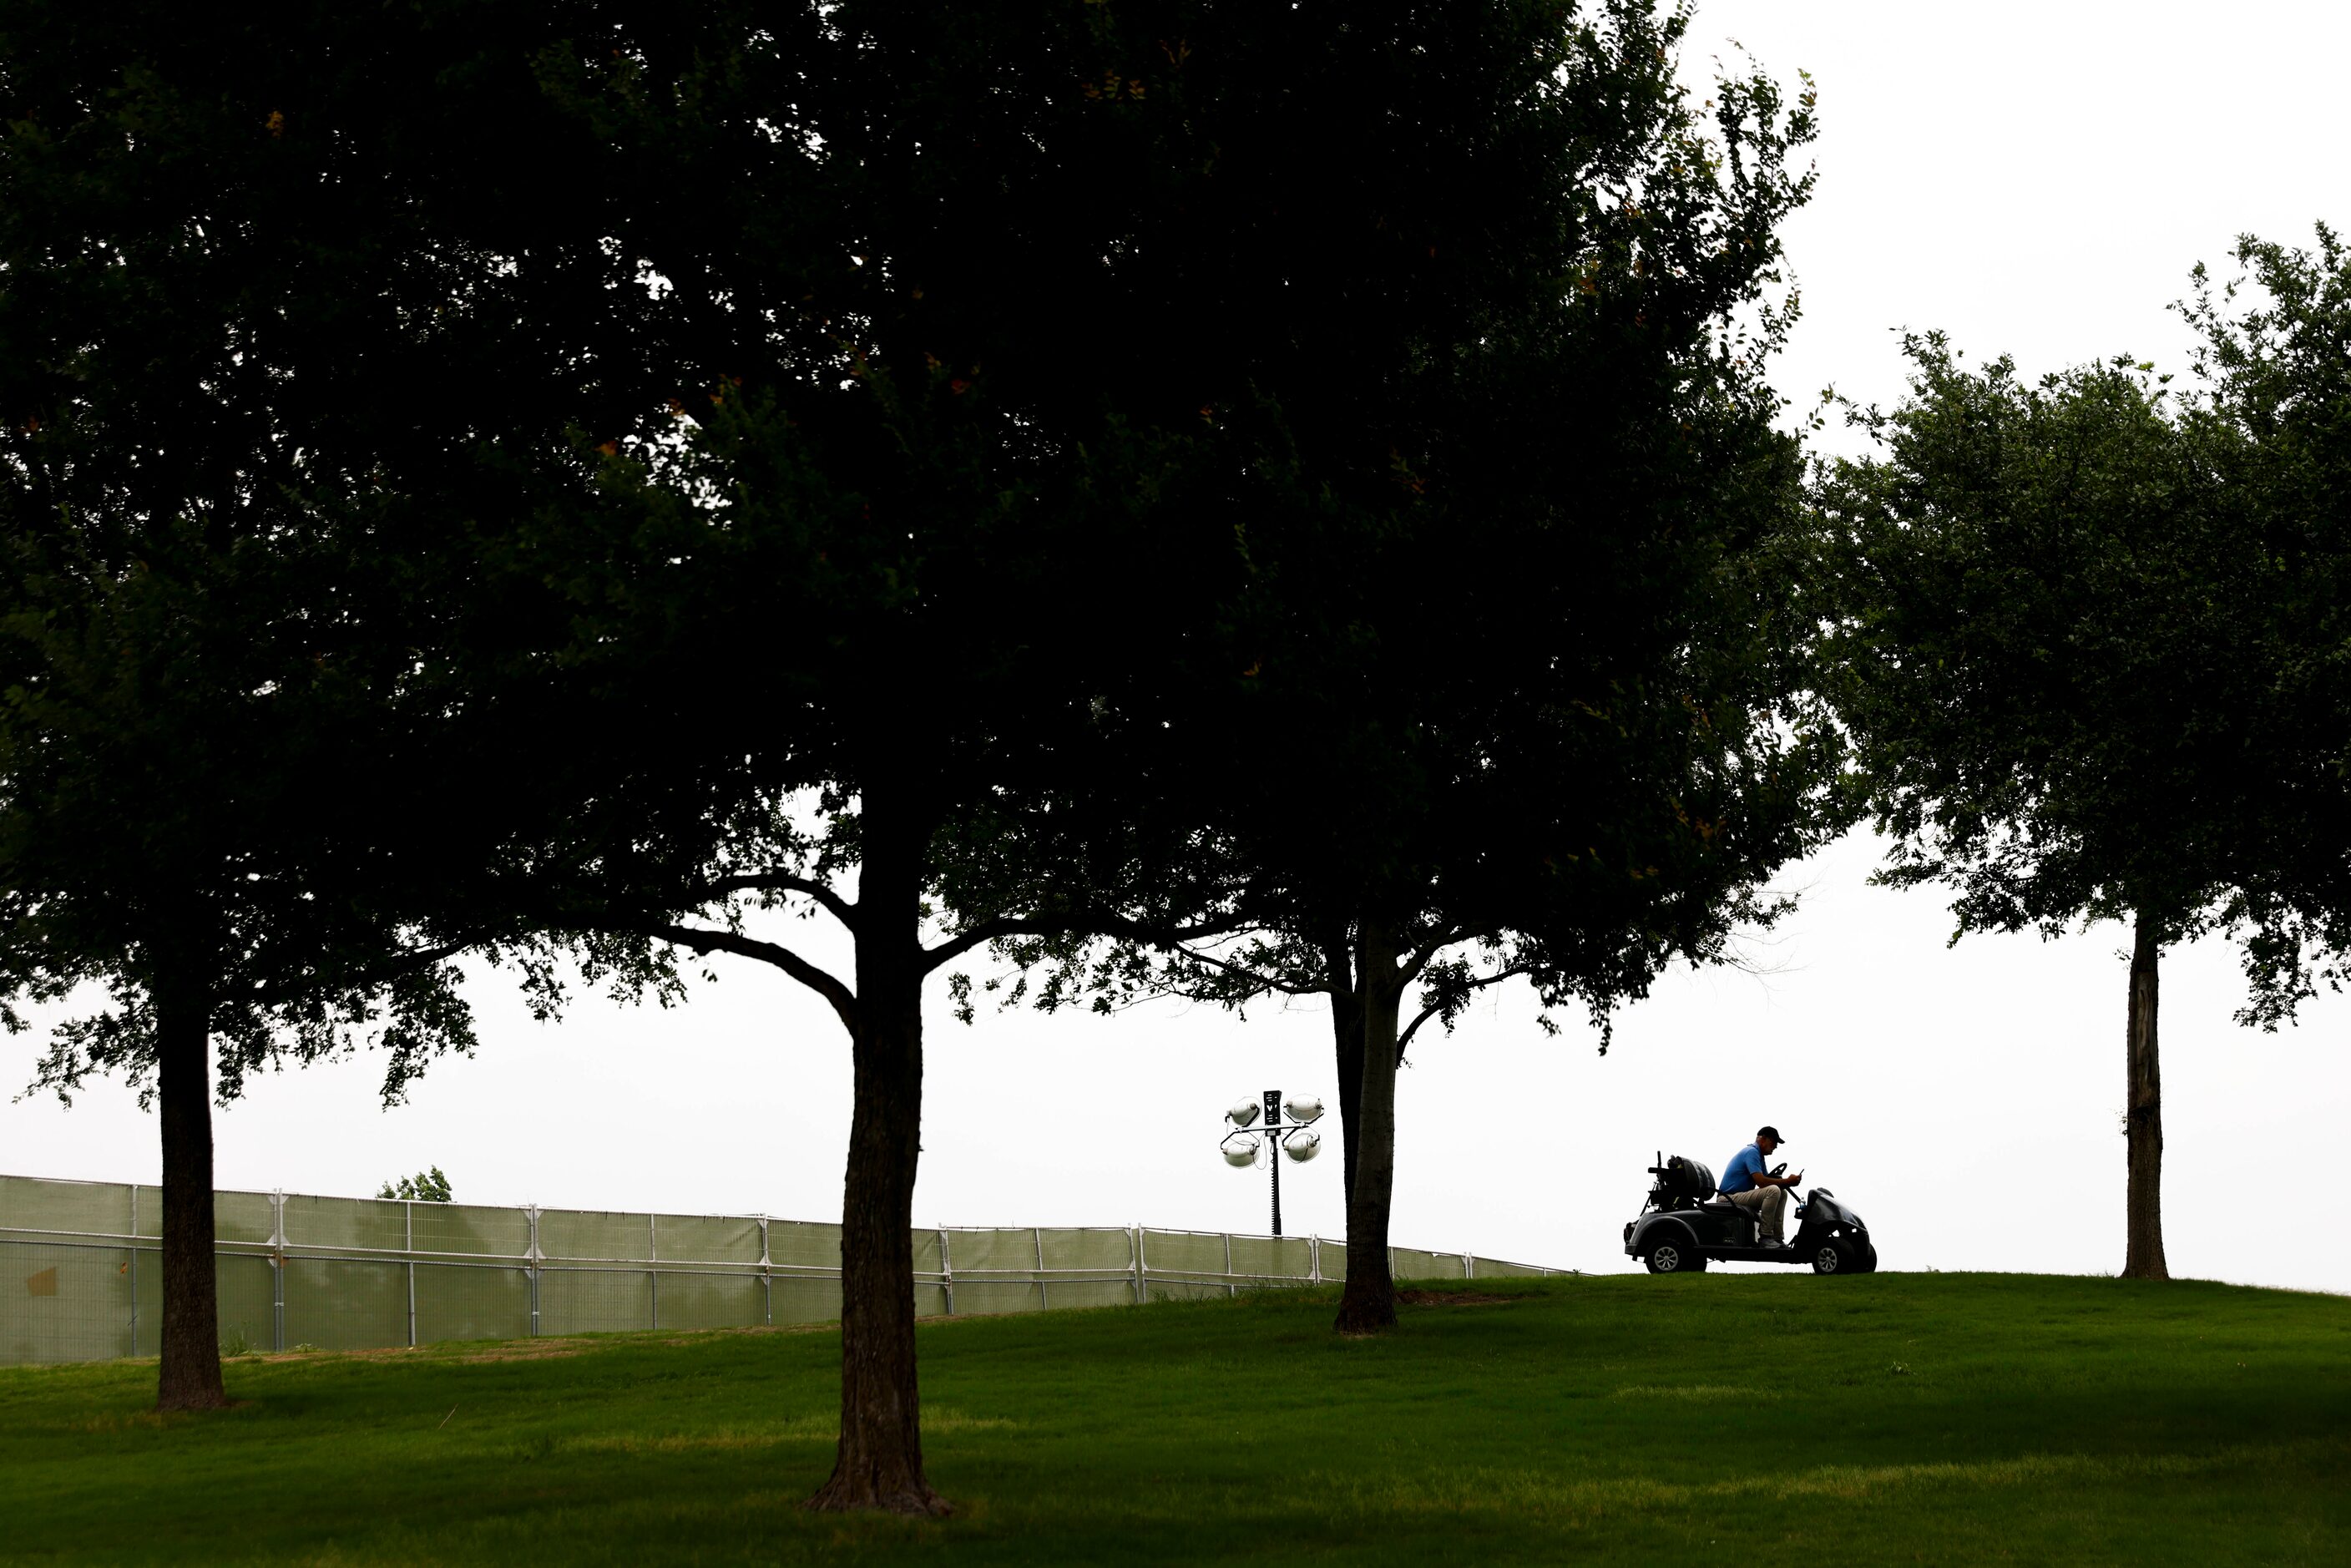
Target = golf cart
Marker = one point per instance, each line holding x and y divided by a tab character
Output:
1686	1223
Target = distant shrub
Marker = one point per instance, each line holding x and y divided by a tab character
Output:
427	1186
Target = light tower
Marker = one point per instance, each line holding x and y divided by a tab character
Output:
1296	1137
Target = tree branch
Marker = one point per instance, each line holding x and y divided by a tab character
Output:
367	977
1256	977
839	908
1164	937
1433	1009
702	940
1425	952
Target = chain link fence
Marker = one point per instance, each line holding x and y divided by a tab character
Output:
81	1274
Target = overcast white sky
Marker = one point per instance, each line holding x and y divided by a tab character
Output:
2037	178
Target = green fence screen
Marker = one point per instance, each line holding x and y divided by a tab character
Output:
80	1272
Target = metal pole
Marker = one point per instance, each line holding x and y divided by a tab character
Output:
653	1276
946	1269
407	1240
134	1268
277	1268
531	1260
1273	1159
1042	1300
1273	1152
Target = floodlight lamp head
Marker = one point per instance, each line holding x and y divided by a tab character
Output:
1239	1150
1304	1146
1304	1108
1243	1113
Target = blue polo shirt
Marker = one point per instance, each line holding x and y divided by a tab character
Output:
1744	1167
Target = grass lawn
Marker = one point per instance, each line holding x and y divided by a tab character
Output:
1895	1417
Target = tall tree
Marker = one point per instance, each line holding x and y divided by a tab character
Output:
2059	638
257	283
1504	681
889	580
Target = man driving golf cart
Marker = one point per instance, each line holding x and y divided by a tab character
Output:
1690	1220
1748	1182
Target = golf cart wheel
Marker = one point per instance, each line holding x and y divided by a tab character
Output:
1869	1259
1673	1256
1834	1258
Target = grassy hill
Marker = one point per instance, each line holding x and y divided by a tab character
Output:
1910	1418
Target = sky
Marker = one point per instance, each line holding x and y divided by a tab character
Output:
2035	180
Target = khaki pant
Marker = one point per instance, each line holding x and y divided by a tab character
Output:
1767	1203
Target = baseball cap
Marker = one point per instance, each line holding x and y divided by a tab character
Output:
1770	1133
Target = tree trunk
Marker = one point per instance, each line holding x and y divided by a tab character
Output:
2142	1117
879	1464
190	1378
1347	1037
1368	1305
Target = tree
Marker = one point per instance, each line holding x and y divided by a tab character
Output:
425	1186
1508	679
2059	639
887	584
256	279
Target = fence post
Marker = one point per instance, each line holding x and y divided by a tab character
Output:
767	1278
947	1269
134	1269
1135	1260
1231	1290
407	1240
652	1256
277	1268
530	1260
1038	1233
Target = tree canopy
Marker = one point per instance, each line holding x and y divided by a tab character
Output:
267	359
2275	367
2062	638
887	583
1508	675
